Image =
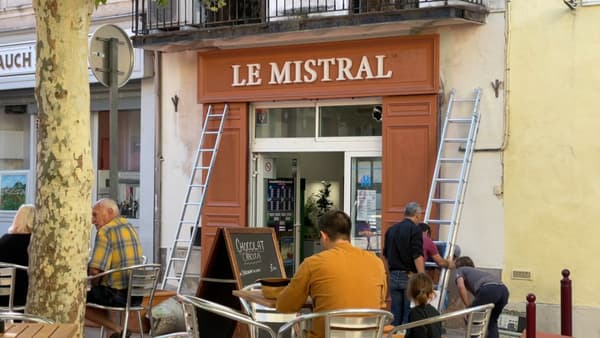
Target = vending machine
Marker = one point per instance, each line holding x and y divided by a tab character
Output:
280	205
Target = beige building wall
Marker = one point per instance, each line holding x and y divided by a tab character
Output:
552	159
471	56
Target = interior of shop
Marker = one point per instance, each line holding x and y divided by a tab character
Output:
320	179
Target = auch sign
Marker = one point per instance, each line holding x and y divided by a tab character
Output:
17	59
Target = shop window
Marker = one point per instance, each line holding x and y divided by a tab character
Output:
285	122
129	161
349	121
332	120
15	158
366	183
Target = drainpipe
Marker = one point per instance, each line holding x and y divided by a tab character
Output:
158	159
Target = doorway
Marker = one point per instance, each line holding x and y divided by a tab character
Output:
289	191
306	160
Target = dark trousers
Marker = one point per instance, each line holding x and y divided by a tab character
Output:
400	301
498	295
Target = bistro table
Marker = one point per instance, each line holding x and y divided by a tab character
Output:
37	330
255	296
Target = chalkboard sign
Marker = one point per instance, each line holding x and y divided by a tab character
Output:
239	256
255	254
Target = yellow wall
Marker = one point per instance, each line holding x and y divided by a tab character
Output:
552	162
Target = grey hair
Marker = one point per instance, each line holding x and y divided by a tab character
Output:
109	204
23	221
411	209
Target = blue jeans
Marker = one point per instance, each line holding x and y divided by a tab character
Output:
400	302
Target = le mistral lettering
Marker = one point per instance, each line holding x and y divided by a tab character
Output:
312	70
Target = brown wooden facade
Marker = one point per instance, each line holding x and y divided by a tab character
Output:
404	71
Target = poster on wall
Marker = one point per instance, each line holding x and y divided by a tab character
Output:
367	206
13	190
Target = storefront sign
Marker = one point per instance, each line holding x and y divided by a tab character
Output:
311	70
17	59
361	68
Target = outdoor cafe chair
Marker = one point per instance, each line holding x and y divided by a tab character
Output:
346	323
225	311
9	290
142	281
7	286
191	323
24	317
477	320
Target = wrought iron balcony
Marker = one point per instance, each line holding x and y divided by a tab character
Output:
184	20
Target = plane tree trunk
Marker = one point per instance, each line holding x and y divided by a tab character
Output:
61	236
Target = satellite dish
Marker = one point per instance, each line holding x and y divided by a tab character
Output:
99	54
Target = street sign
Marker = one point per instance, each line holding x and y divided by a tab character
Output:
99	57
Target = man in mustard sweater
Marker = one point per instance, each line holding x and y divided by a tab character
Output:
340	277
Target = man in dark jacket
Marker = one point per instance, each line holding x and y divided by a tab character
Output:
403	250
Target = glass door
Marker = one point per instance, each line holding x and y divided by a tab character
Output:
363	203
275	186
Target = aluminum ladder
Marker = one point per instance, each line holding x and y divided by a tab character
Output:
195	195
450	177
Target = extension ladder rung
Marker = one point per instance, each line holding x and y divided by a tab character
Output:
202	167
456	140
186	221
192	275
448	180
460	120
451	160
178	259
440	221
215	115
197	185
193	203
181	241
443	200
211	132
464	100
207	150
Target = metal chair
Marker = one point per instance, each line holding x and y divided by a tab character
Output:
7	286
142	281
191	323
347	323
24	317
478	318
5	269
226	312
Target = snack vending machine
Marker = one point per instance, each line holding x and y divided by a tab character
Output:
281	201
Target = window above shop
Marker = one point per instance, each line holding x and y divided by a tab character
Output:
319	120
349	121
285	122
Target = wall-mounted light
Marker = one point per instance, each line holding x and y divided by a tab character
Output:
496	85
175	100
572	4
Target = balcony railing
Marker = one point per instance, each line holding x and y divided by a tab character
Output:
149	17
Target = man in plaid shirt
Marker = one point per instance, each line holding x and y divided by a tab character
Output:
117	245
